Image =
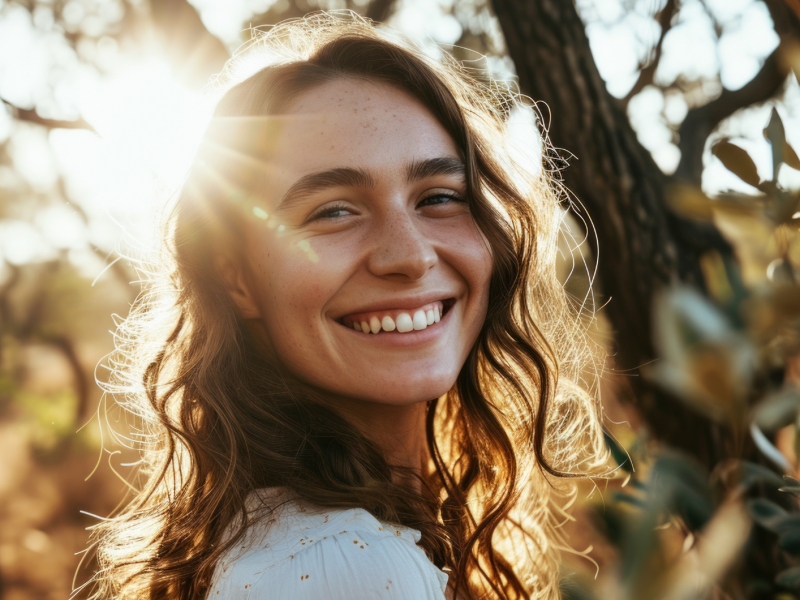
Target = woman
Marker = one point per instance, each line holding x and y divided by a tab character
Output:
356	372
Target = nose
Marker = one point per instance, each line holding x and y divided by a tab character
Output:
400	248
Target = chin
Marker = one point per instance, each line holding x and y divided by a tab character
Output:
395	391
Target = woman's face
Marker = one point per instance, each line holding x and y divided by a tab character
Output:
367	231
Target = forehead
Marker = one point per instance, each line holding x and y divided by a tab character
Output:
362	124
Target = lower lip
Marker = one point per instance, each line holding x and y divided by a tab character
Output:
400	340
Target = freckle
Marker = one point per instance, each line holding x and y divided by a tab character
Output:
341	532
380	528
362	546
390	581
306	576
355	541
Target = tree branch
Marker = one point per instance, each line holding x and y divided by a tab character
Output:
379	10
67	348
647	72
194	51
701	121
31	116
785	18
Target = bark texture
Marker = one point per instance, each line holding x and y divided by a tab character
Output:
643	246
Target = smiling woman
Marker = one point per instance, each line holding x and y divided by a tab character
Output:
358	368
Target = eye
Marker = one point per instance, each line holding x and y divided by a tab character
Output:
440	198
332	212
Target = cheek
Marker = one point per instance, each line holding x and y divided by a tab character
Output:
468	251
287	284
294	280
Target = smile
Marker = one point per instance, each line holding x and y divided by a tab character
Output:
399	320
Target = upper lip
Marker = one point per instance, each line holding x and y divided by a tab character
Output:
404	302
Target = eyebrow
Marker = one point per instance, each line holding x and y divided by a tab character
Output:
315	182
435	166
349	177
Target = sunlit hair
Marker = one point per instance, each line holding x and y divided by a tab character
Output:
218	420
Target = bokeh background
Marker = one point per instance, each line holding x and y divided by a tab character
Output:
677	119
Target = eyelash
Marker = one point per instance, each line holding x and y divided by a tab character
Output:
326	214
451	195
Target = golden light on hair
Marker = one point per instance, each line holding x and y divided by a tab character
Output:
507	442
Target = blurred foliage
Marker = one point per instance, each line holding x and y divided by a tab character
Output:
733	356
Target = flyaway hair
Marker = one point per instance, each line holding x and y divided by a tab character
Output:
216	419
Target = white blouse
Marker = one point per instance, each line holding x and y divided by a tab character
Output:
300	552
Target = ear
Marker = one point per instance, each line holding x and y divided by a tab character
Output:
234	279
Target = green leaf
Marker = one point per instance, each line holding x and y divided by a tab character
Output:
782	152
769	449
628	499
790	157
776	136
695	509
617	452
793	486
779	409
737	161
765	513
753	474
790	541
790	578
786	523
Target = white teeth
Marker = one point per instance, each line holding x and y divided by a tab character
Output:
374	325
404	323
388	323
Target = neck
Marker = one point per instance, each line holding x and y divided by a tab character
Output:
399	430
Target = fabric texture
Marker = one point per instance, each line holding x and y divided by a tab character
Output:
301	552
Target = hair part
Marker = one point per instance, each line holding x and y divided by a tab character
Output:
219	420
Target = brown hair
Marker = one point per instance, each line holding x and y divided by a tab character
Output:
220	421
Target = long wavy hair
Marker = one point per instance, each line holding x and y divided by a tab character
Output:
216	419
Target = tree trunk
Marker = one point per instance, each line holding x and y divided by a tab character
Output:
643	246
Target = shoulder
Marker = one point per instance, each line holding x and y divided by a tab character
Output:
328	554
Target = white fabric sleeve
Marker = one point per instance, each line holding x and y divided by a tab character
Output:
347	566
